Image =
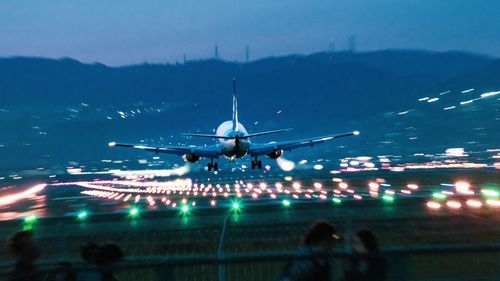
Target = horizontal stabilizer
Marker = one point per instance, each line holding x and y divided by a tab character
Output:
208	136
240	137
265	133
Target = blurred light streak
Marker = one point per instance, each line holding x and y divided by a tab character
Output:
433	205
439	196
412	186
493	202
454	204
473	203
13	198
489	193
490	94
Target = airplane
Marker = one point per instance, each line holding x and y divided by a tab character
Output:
234	142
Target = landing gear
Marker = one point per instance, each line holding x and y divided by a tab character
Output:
256	163
213	165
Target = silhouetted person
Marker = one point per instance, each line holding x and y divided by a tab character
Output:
103	258
319	240
368	263
22	246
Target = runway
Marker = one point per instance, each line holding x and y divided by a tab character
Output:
69	195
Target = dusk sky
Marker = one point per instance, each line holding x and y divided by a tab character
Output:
119	32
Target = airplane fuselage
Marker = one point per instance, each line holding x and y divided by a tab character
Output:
235	147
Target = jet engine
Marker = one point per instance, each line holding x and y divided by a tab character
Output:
275	154
192	158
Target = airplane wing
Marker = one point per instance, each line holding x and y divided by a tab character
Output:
266	148
212	151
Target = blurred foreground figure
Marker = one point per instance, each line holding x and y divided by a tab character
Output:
320	240
103	258
368	263
22	246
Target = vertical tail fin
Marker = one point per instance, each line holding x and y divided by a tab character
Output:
235	108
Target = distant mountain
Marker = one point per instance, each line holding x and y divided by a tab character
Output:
55	111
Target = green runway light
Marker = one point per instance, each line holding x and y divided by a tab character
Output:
235	206
82	215
439	196
490	193
28	222
184	211
336	200
286	203
134	212
30	219
388	198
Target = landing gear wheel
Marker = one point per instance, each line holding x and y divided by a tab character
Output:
209	166
253	165
259	164
216	167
